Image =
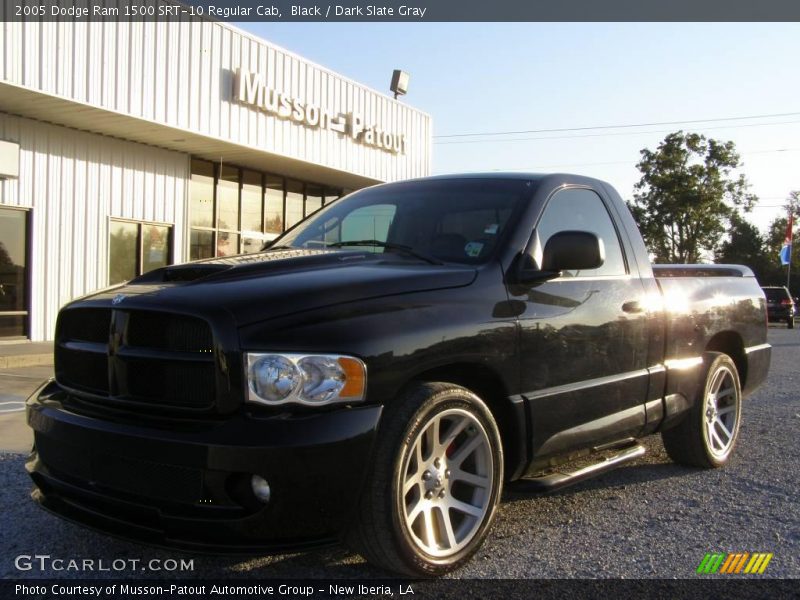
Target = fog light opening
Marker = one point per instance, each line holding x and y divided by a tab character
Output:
260	488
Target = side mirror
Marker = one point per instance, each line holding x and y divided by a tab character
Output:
564	251
573	251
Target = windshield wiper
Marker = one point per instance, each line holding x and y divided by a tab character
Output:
268	246
399	248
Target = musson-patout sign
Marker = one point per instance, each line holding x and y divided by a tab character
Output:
250	89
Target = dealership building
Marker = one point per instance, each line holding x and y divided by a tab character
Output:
128	146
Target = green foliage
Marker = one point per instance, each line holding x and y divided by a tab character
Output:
746	246
777	229
688	196
5	258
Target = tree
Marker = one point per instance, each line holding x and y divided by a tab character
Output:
746	246
777	229
687	196
5	258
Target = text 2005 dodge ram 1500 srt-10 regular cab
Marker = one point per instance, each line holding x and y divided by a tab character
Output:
381	371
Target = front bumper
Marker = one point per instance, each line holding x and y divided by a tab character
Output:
188	487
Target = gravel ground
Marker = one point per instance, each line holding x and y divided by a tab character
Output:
650	519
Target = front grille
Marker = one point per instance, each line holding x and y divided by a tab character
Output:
186	384
65	458
131	475
86	325
143	358
82	370
168	332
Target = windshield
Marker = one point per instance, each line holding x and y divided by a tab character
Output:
458	221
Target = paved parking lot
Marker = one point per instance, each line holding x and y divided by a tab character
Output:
650	519
15	387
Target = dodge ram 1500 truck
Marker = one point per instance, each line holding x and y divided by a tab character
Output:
385	367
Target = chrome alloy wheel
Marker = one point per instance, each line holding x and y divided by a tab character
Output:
721	412
447	480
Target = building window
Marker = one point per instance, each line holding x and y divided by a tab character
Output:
273	206
201	244
136	248
122	244
201	218
252	201
228	198
13	273
294	202
331	194
315	196
252	211
156	246
236	210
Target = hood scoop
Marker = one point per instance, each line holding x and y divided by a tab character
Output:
271	261
190	272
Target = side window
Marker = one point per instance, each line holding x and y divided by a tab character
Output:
582	210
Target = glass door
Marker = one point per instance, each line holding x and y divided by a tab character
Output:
13	273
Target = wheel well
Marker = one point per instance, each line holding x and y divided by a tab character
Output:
489	387
730	343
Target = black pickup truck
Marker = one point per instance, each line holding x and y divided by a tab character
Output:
381	371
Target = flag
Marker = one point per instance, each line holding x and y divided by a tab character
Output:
786	251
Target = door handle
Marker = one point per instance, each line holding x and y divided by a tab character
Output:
632	307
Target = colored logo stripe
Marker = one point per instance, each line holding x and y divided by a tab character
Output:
711	562
734	563
728	562
758	564
720	562
741	562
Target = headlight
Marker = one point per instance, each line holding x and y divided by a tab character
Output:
274	378
310	379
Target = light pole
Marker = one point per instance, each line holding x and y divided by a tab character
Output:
399	83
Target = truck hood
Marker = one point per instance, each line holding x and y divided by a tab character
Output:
276	283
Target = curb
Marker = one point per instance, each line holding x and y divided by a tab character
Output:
26	360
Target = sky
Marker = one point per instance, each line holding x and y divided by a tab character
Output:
500	77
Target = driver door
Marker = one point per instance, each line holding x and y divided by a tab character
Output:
583	339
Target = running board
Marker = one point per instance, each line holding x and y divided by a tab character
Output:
556	481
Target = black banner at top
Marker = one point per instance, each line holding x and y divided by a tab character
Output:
403	11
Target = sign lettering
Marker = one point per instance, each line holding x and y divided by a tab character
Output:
250	89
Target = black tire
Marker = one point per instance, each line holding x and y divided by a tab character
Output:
381	532
691	442
790	323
